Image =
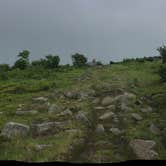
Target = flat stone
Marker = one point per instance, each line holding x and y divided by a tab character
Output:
155	130
13	129
111	107
99	108
106	115
136	116
66	113
46	128
44	99
115	131
30	112
143	149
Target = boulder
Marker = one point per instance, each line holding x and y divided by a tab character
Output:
106	115
143	149
136	116
13	129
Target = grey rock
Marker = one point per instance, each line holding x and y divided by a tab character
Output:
100	129
41	99
143	149
115	131
42	147
13	129
80	116
46	128
155	130
108	100
111	107
30	112
99	108
66	113
125	98
1	113
106	115
72	94
54	109
136	116
125	108
96	101
146	109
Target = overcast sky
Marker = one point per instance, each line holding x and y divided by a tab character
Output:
102	29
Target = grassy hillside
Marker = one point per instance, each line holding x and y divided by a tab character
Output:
78	142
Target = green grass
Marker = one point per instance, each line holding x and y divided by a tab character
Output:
21	86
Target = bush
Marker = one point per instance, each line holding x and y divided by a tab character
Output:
79	60
4	67
162	72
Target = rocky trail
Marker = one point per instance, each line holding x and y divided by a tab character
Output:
100	119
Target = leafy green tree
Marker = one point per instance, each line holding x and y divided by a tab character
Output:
23	61
79	60
52	61
162	51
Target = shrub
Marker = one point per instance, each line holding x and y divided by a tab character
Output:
79	60
162	72
162	51
4	67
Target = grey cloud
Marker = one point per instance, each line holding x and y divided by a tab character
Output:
102	29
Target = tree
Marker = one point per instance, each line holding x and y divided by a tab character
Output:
23	61
79	60
162	51
52	61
